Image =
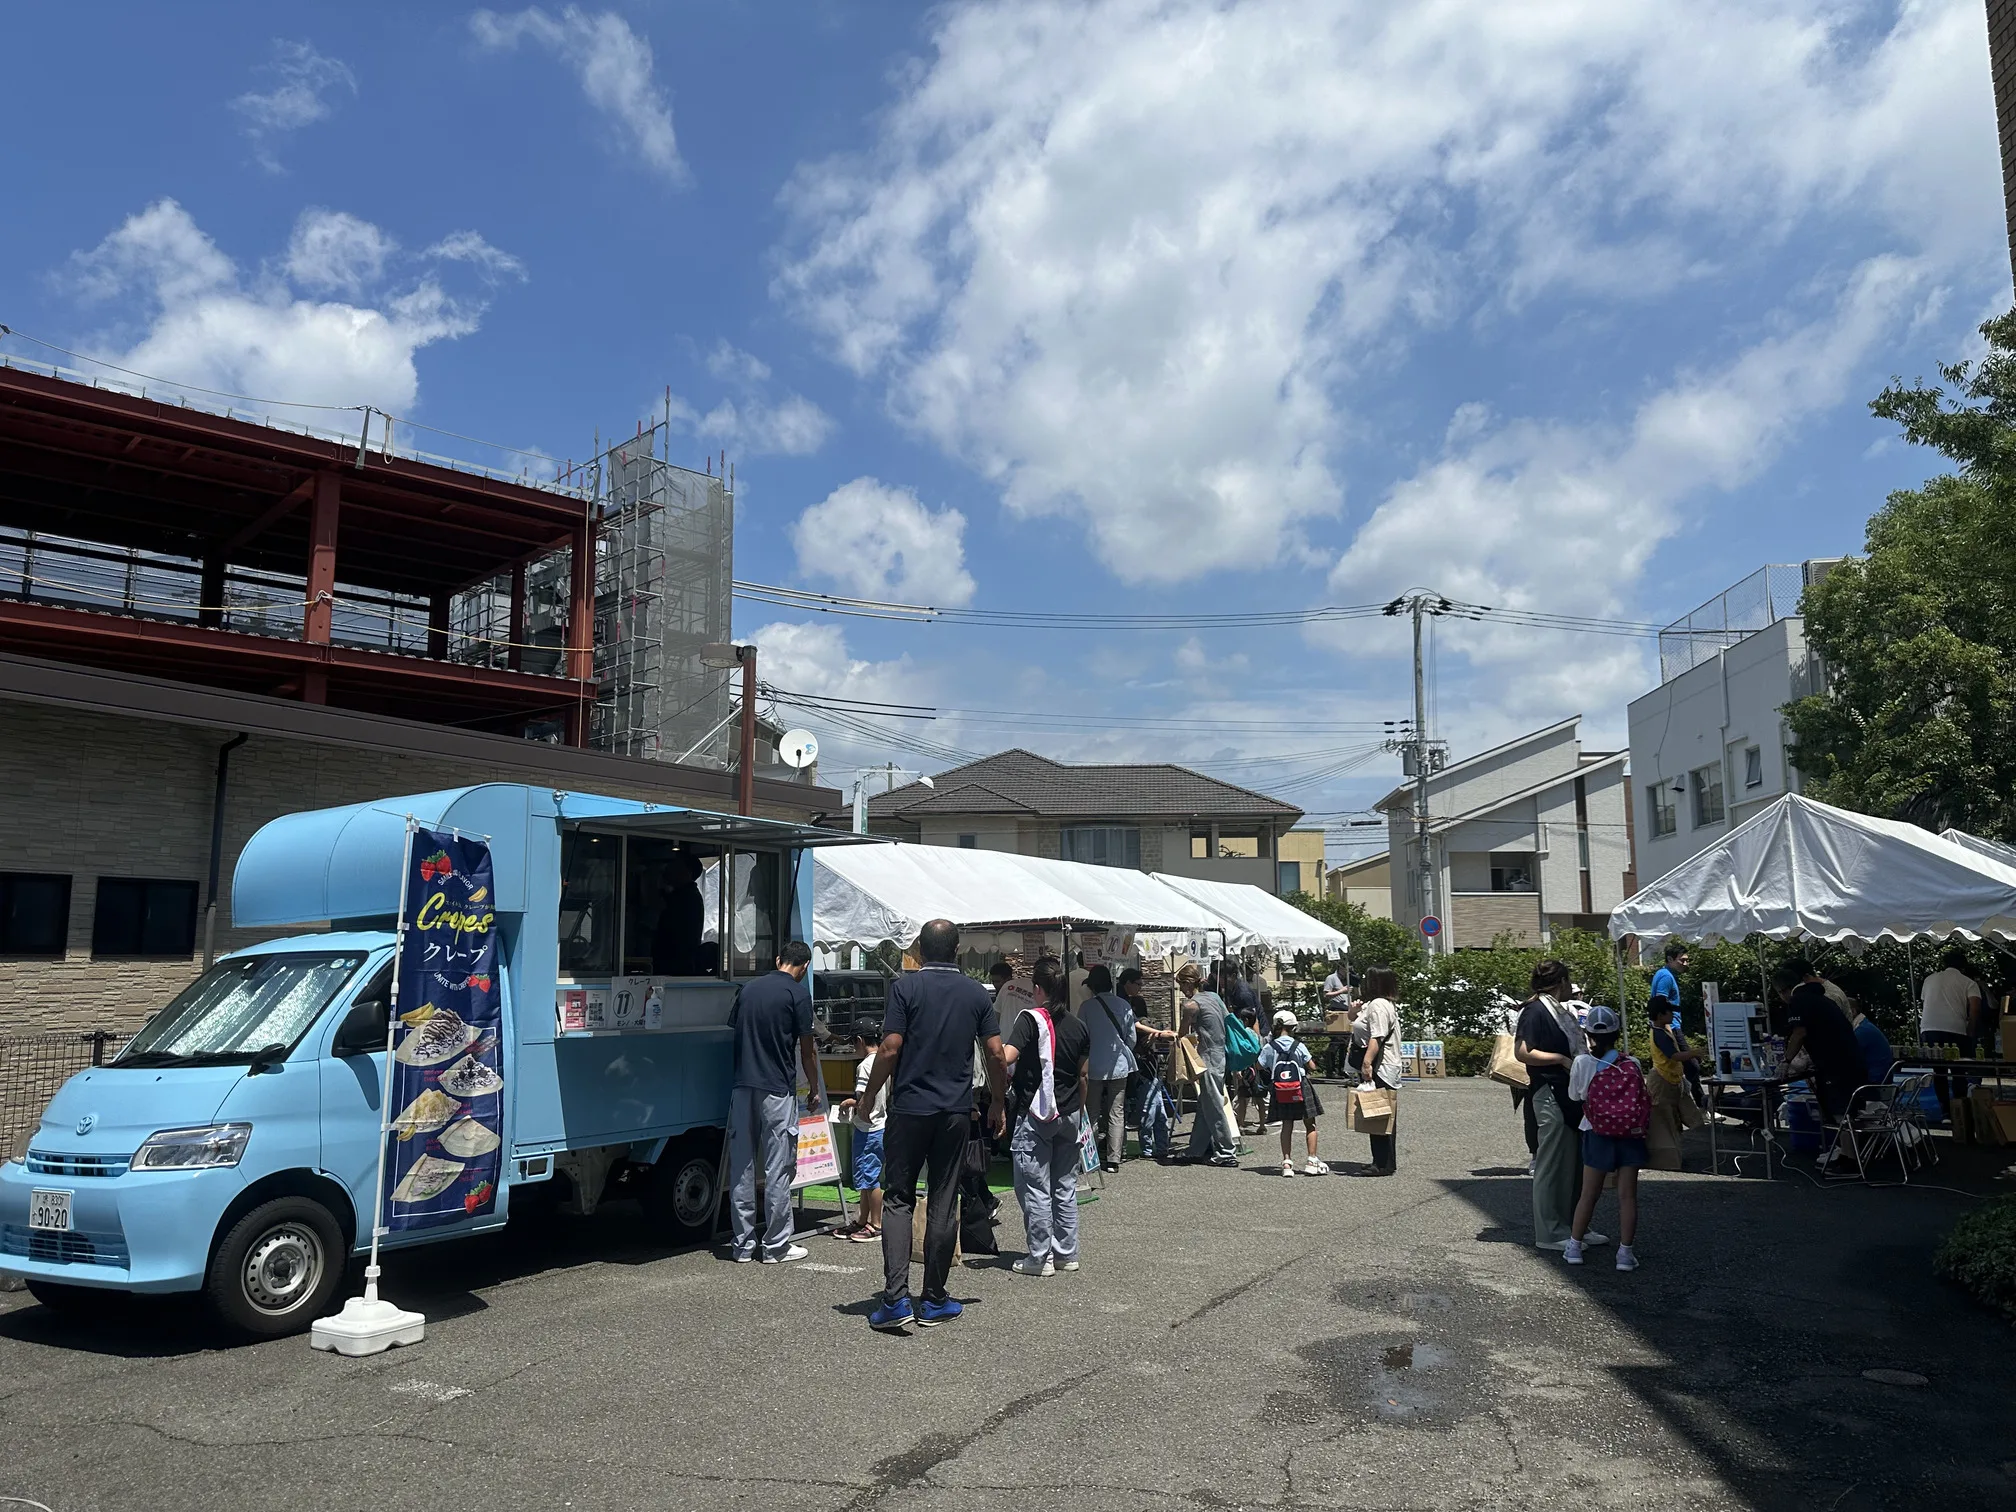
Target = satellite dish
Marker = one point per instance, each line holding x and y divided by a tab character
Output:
798	748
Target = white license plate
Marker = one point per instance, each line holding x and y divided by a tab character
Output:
49	1210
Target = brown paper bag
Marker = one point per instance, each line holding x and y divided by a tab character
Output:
1336	1021
1185	1064
1505	1065
1370	1110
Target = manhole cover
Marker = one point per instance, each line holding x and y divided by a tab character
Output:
1894	1377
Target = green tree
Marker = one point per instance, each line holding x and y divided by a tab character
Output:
1918	717
1374	941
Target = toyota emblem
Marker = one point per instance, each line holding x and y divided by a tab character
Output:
87	1123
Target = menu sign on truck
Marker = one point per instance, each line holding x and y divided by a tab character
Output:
447	1122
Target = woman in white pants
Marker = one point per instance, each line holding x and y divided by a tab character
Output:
1048	1052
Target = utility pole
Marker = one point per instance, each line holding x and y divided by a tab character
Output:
1421	757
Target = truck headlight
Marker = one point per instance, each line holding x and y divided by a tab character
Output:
193	1149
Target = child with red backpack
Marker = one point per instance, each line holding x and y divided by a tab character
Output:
1615	1115
1286	1067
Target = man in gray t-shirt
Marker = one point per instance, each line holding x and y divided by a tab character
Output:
1203	1017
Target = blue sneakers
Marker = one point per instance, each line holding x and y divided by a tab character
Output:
934	1313
892	1318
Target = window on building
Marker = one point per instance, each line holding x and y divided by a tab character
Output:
1200	844
1287	877
1511	872
1103	844
1582	849
34	913
1706	783
144	916
1753	767
1242	845
1665	817
969	842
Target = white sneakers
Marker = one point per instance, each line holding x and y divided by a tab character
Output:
795	1252
1029	1265
1067	1265
1572	1252
1287	1168
1314	1167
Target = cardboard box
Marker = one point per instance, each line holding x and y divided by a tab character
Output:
1430	1055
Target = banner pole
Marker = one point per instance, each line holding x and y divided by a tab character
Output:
385	1087
367	1325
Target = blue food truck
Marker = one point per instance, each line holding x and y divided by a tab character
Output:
232	1147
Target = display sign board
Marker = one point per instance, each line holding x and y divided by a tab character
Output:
818	1160
1732	1035
1429	1053
447	1072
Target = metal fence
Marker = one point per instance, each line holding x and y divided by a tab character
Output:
33	1067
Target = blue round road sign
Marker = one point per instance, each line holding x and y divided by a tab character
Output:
1431	926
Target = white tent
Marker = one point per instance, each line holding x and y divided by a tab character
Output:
1255	916
863	895
1805	869
1994	850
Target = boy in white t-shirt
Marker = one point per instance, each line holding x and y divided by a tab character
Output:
868	1125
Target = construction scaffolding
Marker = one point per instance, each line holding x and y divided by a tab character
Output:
664	573
664	584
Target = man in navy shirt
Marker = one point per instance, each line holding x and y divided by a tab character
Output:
933	1019
772	1017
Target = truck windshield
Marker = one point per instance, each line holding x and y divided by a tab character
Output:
238	1008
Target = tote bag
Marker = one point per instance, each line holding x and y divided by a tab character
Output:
1370	1110
1505	1067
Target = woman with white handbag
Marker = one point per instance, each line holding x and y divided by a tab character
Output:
1547	1041
1049	1053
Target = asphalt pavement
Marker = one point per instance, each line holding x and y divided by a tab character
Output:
1234	1340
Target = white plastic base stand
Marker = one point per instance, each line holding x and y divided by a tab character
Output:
368	1326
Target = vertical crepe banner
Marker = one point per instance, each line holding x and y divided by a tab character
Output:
447	1050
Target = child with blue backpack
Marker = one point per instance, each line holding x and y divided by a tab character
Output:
1616	1112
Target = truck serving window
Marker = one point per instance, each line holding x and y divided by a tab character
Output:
589	868
666	887
752	891
242	1006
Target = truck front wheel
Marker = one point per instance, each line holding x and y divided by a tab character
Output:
276	1270
685	1193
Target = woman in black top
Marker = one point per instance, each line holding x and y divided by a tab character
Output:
1547	1041
1044	1146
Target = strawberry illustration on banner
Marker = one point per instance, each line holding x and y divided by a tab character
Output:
448	1071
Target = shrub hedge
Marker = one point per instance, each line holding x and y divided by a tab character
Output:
1980	1254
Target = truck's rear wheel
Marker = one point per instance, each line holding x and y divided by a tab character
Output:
684	1197
277	1269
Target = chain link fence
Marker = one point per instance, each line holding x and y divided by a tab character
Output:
33	1067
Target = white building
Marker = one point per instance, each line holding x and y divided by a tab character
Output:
1708	745
1526	838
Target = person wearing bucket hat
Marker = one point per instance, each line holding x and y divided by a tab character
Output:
1609	1086
1287	1071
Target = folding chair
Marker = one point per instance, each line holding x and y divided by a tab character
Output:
1914	1134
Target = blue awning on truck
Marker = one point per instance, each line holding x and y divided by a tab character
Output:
344	863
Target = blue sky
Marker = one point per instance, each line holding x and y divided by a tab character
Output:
1113	307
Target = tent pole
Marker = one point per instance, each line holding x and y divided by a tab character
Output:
1623	1015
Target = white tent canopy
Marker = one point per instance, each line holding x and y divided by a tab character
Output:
864	895
1805	869
1994	850
1255	916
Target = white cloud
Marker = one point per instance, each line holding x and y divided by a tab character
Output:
334	252
1149	264
814	659
614	65
1192	660
750	422
1536	515
207	324
303	80
470	247
881	542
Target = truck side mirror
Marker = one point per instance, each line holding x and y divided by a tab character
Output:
362	1029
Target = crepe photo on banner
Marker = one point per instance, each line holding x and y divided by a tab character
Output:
447	1056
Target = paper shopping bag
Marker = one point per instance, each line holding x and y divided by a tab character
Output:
1185	1064
1370	1110
1505	1065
